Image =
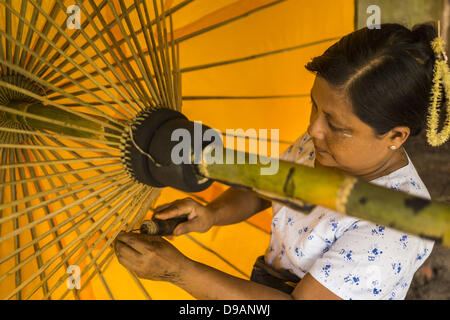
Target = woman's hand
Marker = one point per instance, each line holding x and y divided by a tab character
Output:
200	218
150	257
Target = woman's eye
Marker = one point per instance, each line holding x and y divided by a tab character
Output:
333	127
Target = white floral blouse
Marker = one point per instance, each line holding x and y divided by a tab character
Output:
353	258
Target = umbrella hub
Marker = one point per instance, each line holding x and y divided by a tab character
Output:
146	151
17	100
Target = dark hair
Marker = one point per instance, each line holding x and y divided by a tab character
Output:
387	74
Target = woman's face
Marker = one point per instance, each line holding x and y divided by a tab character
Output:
343	141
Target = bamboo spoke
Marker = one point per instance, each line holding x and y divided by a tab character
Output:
16	146
92	229
121	218
145	193
101	204
42	12
58	136
46	163
55	175
54	213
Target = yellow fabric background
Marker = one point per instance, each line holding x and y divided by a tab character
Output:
287	24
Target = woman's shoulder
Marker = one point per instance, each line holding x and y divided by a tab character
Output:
405	179
301	151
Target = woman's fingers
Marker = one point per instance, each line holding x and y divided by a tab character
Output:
133	241
174	209
186	227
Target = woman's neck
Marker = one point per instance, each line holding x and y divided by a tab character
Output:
397	161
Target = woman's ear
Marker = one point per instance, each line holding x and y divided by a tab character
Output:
398	136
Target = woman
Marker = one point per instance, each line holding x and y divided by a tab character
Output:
370	94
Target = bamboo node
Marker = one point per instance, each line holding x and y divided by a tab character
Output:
343	194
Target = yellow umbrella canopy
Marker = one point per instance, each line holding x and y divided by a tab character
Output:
74	74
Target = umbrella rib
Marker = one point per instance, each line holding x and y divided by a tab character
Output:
155	64
130	47
65	56
145	193
146	73
106	261
109	66
155	57
66	44
30	34
37	178
215	26
18	273
120	42
55	122
85	234
40	41
59	136
256	56
169	69
85	182
3	153
77	113
46	163
244	97
101	237
69	216
19	33
162	46
8	44
104	203
22	146
66	94
33	233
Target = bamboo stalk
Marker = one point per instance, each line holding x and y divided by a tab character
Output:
45	122
102	120
296	184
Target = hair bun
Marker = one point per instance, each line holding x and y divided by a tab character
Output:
425	32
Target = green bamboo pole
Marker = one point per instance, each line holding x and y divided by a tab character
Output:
61	122
301	186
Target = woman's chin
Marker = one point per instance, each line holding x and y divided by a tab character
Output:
324	159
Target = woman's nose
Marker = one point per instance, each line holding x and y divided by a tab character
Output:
316	128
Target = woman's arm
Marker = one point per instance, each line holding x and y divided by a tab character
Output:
236	205
232	206
154	258
206	283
